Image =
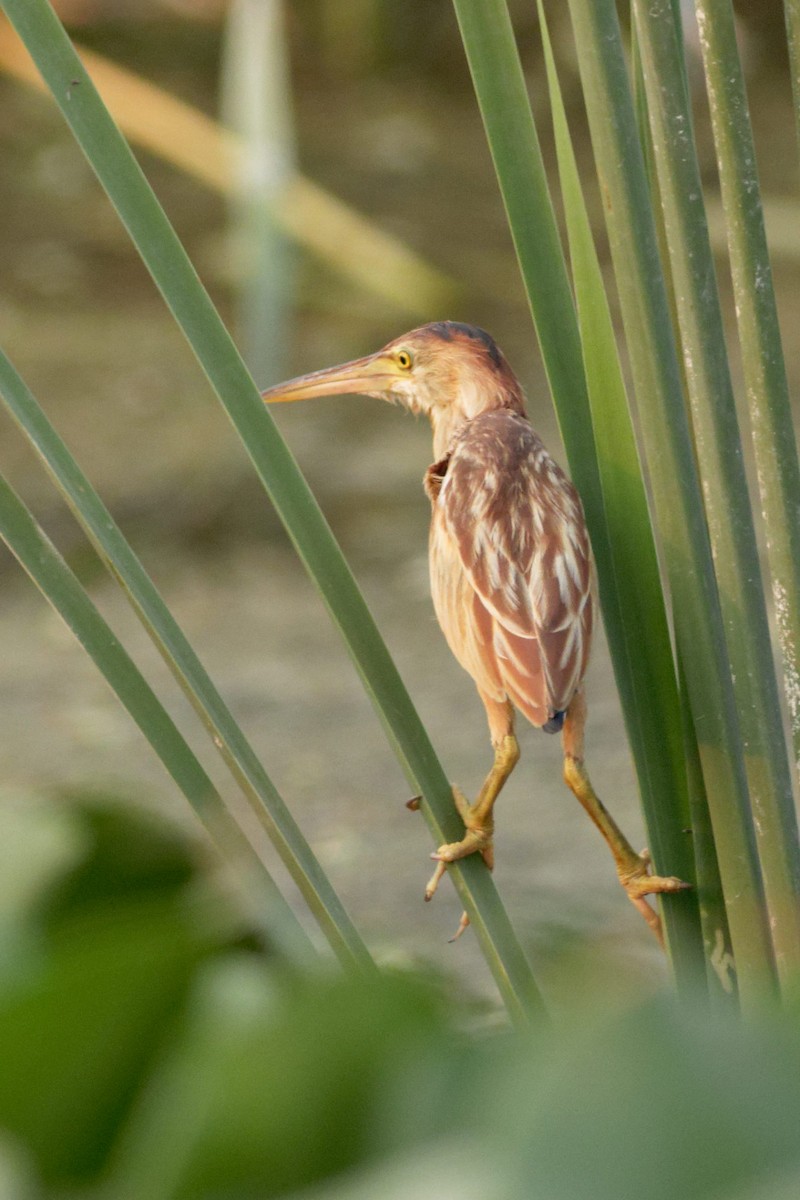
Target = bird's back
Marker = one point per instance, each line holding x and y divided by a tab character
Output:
511	568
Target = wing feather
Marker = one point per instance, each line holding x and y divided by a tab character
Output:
516	526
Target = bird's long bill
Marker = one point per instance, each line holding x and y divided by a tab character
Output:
373	375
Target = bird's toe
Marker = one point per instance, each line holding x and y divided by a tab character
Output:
638	881
475	839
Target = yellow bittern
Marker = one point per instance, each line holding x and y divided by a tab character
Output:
510	564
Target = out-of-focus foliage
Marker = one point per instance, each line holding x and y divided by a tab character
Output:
155	1045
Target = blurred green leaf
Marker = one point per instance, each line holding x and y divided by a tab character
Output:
125	852
661	1098
18	1180
39	844
268	1091
116	940
153	1050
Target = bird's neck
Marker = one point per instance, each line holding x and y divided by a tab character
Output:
448	420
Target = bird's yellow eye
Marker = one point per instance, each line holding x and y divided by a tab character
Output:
403	359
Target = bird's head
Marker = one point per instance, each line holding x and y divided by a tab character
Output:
449	371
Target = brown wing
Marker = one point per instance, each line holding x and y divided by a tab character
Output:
517	525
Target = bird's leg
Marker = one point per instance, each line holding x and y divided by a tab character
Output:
633	869
478	817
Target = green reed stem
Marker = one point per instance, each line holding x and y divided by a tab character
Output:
676	491
226	734
721	461
651	706
500	89
61	588
791	10
763	364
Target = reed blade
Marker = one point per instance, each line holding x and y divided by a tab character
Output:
45	566
721	463
502	97
172	644
677	496
763	365
646	673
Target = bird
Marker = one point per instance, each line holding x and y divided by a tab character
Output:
511	567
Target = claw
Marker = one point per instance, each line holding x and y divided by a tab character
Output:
479	828
462	925
435	879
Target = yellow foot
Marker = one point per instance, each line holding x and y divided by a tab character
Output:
478	838
638	883
473	839
451	853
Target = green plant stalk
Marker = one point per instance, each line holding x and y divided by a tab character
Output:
181	659
791	9
719	957
502	97
162	253
763	364
256	106
640	102
500	90
45	566
721	461
676	491
654	706
720	964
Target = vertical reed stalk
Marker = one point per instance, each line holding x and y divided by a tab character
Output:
256	106
47	569
677	496
759	334
792	13
228	738
721	461
651	705
502	97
